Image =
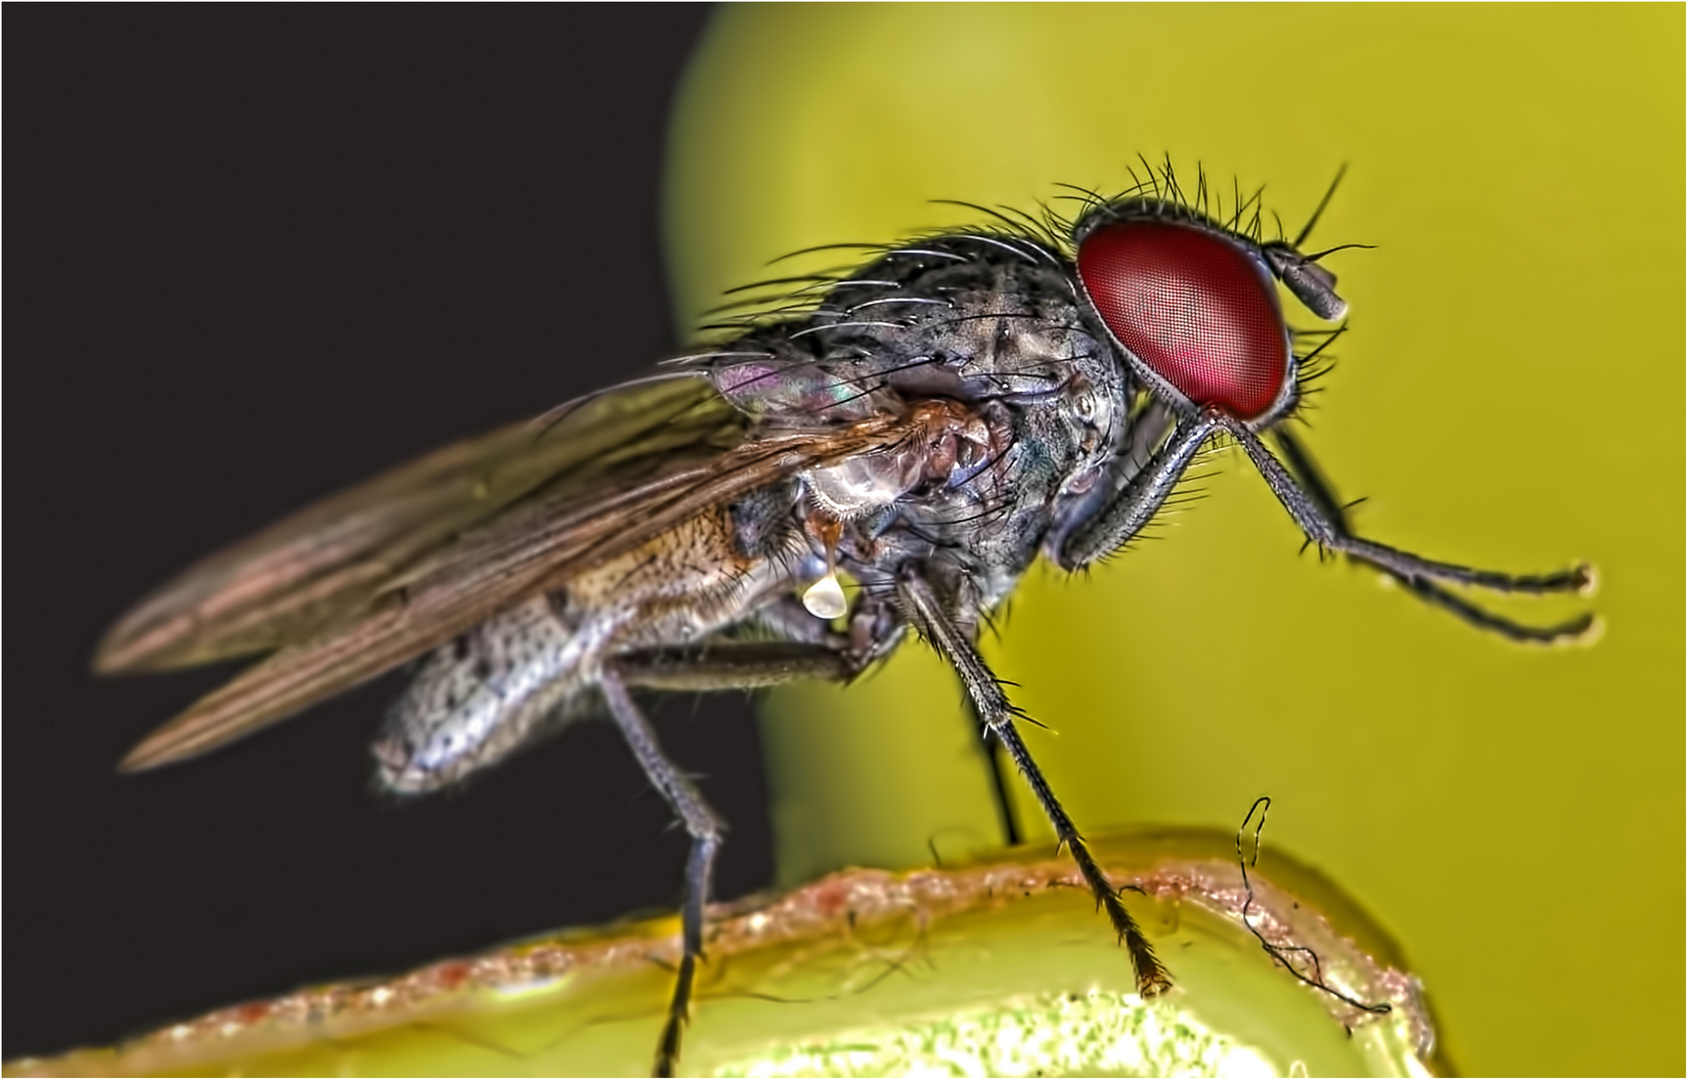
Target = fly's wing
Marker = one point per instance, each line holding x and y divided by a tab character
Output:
284	583
367	580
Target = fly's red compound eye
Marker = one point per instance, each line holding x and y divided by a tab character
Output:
1194	307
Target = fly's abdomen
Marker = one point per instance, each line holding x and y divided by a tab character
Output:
478	697
525	672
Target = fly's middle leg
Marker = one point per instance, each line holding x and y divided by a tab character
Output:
707	831
927	614
734	665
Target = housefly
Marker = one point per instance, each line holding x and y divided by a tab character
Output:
878	451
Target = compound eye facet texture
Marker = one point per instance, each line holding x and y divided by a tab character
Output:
1193	306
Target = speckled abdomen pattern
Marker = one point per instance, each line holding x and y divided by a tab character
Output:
476	698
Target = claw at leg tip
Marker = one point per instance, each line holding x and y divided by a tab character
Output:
1153	986
1590	582
1588	635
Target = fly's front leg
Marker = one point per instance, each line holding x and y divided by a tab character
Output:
1318	488
1309	501
934	623
1314	509
707	831
730	665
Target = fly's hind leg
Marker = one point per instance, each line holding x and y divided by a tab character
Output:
726	666
707	831
748	665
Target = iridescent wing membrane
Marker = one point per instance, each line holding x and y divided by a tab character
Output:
368	579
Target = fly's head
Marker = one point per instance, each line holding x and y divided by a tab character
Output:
1192	305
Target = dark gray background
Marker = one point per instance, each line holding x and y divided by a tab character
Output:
254	254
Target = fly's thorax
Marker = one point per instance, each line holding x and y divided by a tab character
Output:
1023	409
953	444
971	501
967	318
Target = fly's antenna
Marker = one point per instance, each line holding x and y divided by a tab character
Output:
1319	211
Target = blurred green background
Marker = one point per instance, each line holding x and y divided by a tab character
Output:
1510	395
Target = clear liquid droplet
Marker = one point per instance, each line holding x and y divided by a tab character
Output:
825	598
